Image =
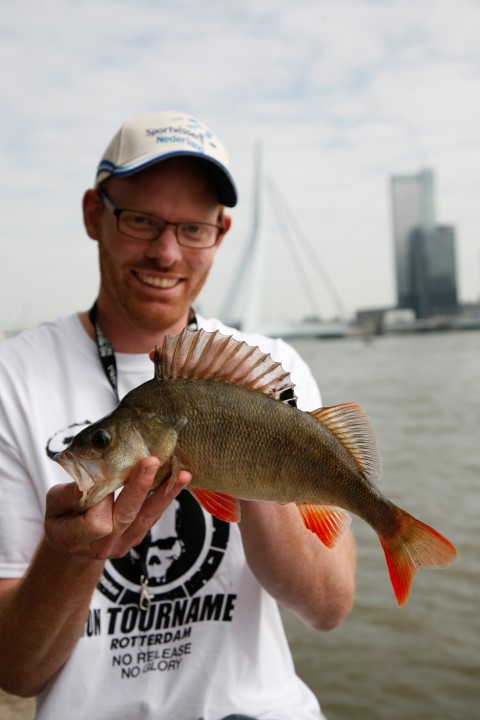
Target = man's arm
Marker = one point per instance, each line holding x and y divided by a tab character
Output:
43	614
315	582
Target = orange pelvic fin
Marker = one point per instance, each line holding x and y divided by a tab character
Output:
326	521
224	507
413	547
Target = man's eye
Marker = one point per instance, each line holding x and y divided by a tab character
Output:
139	221
195	229
191	228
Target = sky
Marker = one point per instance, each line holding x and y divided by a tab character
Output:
332	96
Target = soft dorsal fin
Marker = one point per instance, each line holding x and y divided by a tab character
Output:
213	356
349	423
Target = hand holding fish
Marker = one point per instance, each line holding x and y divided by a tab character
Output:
67	567
111	527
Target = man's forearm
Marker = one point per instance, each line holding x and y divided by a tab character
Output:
42	617
317	583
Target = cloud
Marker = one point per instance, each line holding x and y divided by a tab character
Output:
340	96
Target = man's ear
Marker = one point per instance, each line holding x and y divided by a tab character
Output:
227	223
92	209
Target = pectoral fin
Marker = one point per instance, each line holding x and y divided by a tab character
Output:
223	507
162	442
326	521
174	467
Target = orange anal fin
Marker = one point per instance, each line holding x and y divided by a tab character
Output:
328	522
224	507
413	547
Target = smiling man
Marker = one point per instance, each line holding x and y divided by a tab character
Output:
157	243
146	606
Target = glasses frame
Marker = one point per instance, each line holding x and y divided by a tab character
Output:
117	212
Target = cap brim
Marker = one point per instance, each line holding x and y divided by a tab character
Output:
223	181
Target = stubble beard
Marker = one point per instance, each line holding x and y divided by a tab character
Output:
147	315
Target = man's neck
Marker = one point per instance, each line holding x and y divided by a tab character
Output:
130	340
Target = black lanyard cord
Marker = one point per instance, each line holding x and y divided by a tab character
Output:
106	352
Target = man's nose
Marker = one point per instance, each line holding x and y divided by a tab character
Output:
165	246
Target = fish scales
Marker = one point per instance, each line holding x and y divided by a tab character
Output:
239	441
221	409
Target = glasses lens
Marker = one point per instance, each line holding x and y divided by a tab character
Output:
197	234
140	226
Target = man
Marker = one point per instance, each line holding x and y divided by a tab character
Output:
146	606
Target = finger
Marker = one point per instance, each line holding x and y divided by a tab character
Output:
154	507
159	500
130	500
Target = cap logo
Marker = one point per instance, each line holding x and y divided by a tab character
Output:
194	135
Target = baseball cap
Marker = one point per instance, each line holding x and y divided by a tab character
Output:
151	137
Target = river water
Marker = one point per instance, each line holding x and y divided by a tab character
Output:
422	661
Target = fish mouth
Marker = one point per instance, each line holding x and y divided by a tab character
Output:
158	282
85	474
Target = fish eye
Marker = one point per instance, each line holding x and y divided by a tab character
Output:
101	438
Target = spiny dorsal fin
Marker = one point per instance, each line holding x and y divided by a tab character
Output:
213	356
351	426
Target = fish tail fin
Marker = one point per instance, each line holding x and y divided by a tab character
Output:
414	546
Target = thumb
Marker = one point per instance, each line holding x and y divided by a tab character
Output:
62	498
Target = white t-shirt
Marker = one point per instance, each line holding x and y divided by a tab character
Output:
212	642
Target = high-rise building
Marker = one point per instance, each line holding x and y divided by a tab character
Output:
424	252
433	271
413	208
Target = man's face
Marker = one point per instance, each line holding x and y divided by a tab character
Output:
152	285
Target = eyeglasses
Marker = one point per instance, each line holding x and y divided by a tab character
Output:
140	226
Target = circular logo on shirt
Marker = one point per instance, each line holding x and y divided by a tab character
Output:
62	438
177	556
